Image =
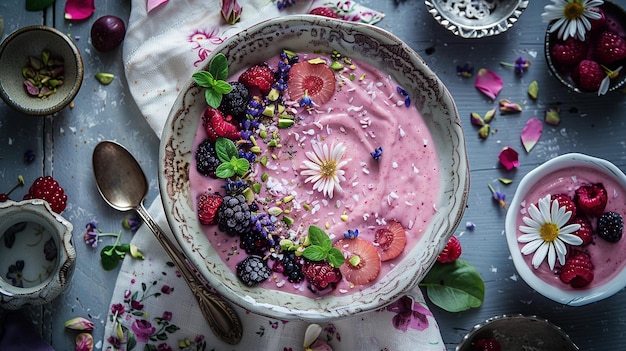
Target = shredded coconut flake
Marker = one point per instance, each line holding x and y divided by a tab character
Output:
394	164
402	132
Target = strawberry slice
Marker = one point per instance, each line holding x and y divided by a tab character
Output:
578	270
362	261
217	126
391	241
316	80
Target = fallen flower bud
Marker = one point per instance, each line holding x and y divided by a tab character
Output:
79	323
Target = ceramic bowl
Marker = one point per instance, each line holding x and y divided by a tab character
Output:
476	19
37	256
369	44
519	332
564	174
31	41
563	74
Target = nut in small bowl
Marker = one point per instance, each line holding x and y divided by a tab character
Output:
37	256
517	332
577	256
42	70
593	65
476	19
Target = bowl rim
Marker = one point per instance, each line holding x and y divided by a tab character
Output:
80	71
171	188
614	86
566	297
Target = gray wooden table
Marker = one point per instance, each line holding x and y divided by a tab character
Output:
63	144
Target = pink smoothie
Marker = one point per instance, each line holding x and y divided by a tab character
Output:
607	258
364	114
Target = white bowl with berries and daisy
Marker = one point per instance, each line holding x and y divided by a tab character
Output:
564	229
586	51
314	168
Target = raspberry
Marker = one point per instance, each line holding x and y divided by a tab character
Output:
578	270
48	189
235	102
487	344
217	126
207	208
233	216
253	270
323	11
591	199
259	77
586	231
451	252
321	275
565	201
568	53
610	226
588	75
609	48
206	159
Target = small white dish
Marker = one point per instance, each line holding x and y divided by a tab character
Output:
553	176
37	256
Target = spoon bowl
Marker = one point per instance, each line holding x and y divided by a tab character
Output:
123	185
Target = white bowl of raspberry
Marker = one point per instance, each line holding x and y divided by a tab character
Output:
593	65
321	198
564	229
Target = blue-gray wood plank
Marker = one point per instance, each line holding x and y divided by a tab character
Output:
63	144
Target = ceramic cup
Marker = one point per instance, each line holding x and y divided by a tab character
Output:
37	256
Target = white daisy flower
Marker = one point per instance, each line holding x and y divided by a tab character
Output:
572	17
324	167
546	232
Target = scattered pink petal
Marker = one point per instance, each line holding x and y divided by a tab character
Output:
79	9
152	4
508	158
531	133
488	82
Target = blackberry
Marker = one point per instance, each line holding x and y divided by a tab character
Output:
253	270
610	226
254	243
206	159
235	102
234	215
292	269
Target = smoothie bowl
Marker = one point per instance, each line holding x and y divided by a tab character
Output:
564	229
332	188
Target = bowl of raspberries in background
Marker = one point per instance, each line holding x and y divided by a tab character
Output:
589	60
565	226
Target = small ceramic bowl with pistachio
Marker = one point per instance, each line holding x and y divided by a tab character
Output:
42	70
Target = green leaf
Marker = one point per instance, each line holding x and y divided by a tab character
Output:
212	97
108	260
318	237
240	165
225	149
203	78
315	253
225	170
335	257
219	67
455	286
222	87
38	5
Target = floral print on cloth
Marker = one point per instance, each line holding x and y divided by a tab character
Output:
153	309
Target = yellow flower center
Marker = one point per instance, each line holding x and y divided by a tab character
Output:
549	232
328	168
573	10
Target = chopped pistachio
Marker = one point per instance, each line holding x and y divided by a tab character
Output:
552	117
263	160
336	65
307	207
256	187
275	211
484	131
317	60
533	90
288	220
104	78
273	95
265	176
285	123
288	198
489	115
476	119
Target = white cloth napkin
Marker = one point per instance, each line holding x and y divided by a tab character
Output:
152	308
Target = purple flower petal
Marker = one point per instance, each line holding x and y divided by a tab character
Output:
508	158
531	133
488	82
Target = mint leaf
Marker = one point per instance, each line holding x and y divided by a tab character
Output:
224	170
222	87
335	257
203	79
455	286
314	253
213	98
240	165
225	149
218	67
318	237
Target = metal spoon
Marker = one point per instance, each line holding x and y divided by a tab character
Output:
123	185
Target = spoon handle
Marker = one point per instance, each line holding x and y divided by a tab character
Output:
222	318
